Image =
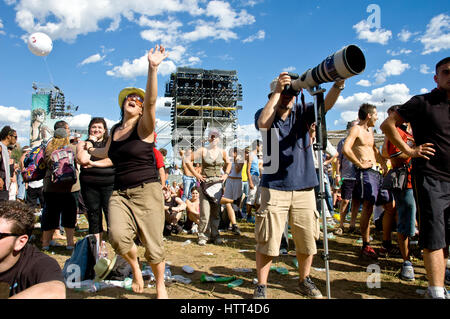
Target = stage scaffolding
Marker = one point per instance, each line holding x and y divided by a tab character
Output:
201	100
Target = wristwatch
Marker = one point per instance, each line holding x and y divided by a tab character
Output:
340	88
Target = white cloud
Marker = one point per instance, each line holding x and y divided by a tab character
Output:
405	35
390	68
205	30
260	35
365	83
379	35
19	120
425	69
346	117
396	53
68	20
1	27
139	67
387	95
437	35
423	90
227	17
92	59
289	69
382	98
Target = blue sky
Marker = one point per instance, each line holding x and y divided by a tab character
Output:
98	49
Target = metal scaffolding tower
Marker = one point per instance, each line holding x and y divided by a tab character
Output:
201	100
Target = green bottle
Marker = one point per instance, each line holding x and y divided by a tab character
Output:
205	278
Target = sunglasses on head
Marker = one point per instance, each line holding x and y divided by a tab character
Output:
4	235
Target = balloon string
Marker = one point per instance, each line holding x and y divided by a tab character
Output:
48	70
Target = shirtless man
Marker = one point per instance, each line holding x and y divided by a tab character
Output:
360	149
189	179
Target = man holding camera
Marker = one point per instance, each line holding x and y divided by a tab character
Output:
287	183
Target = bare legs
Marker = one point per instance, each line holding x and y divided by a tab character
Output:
138	281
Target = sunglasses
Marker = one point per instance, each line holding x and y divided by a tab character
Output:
4	235
136	98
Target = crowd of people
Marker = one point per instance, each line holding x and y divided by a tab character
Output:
130	196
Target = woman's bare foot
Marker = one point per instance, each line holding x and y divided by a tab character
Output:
161	292
138	282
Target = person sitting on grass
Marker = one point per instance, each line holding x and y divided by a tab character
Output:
173	207
29	273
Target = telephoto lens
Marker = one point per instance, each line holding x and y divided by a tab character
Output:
345	63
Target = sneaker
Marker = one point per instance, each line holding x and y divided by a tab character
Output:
308	289
429	295
235	230
202	242
407	272
369	252
283	251
260	292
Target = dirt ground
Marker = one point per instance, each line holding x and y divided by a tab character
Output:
350	276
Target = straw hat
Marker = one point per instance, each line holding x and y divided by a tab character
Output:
130	90
103	267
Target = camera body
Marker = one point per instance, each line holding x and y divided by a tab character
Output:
288	90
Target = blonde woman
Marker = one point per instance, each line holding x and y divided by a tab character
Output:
61	199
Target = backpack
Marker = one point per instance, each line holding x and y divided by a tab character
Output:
84	256
34	164
64	167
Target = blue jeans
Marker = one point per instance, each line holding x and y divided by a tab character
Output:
244	191
188	183
406	208
21	187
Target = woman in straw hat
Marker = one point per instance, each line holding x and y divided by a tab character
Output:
136	207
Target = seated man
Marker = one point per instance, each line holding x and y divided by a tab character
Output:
174	208
29	273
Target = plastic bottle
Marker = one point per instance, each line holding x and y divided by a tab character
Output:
280	270
242	269
205	278
235	283
104	250
127	283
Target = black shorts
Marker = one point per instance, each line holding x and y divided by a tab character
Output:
347	188
433	210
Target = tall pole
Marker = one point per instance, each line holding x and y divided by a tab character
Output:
320	146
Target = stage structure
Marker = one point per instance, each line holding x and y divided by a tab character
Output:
48	105
201	100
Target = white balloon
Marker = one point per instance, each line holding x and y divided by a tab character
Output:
40	44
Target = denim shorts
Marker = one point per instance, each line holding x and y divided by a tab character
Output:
406	208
